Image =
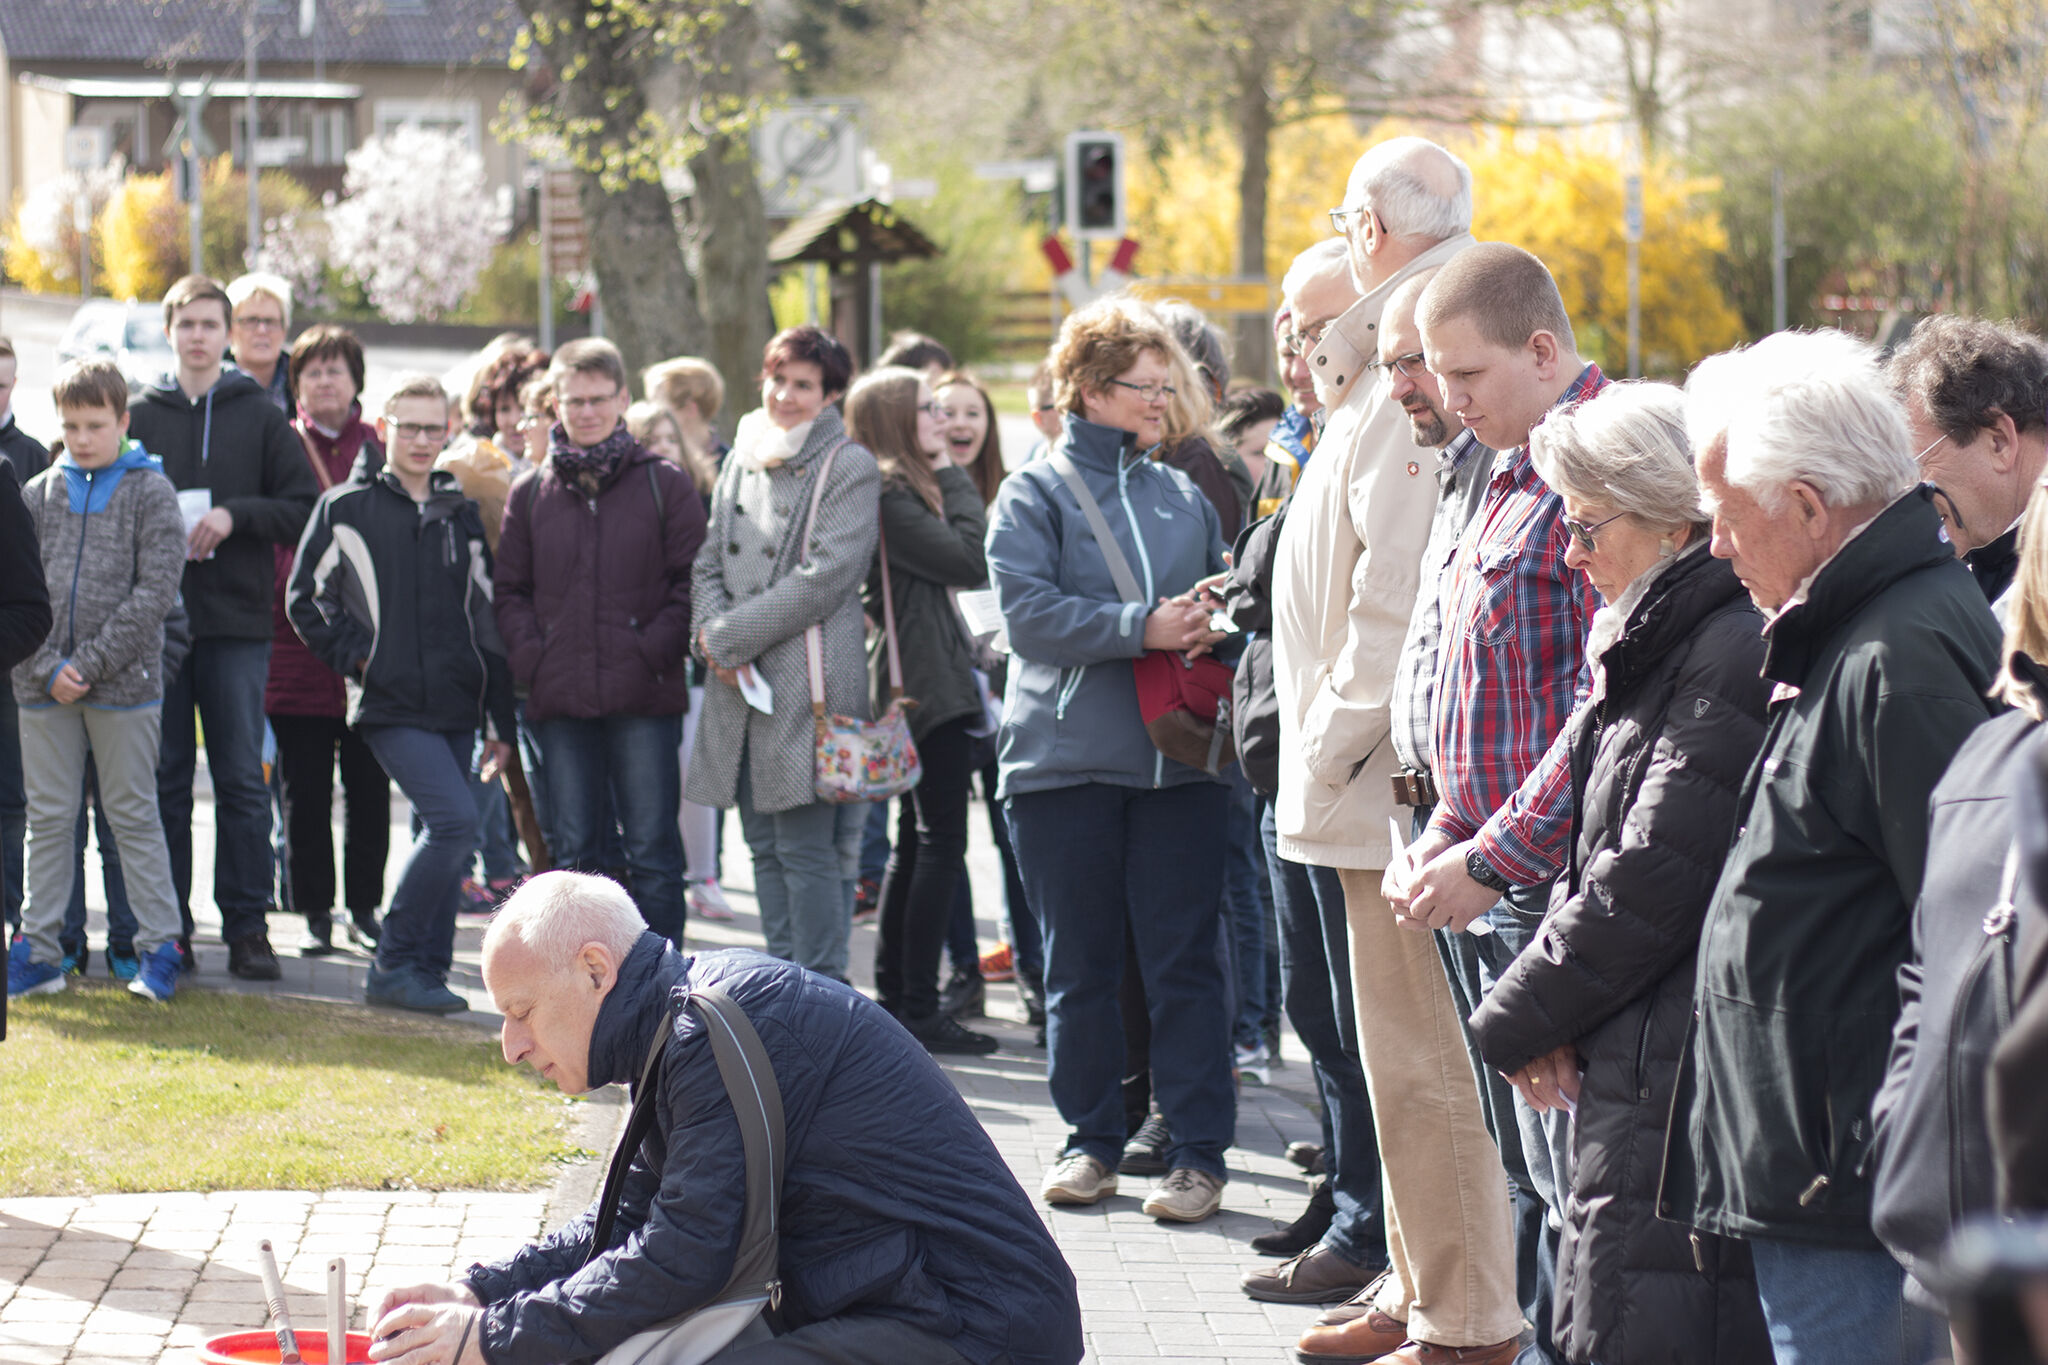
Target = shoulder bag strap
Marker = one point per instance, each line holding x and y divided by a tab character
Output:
1113	553
889	622
660	504
637	1124
313	458
757	1106
814	634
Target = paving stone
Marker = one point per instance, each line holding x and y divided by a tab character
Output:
128	1346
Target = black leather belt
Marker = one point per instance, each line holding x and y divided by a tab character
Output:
1412	788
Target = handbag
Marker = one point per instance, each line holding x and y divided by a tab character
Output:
859	760
1184	702
735	1316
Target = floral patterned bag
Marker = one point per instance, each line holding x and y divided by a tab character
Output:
860	760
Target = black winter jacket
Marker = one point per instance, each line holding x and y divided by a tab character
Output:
1658	755
895	1202
2019	1101
1933	1150
237	443
929	555
1880	674
1254	698
24	596
29	456
395	596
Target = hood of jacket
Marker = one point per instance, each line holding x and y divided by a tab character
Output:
637	1004
92	489
1661	609
233	386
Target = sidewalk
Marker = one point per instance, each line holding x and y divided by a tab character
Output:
145	1277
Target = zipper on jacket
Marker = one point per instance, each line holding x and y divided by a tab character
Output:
1066	693
77	567
1699	1253
1997	938
483	688
1123	493
1813	1191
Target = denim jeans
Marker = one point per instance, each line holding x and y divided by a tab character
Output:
874	842
1020	926
1247	913
1099	861
925	874
223	681
1829	1306
92	819
432	768
1315	990
625	764
799	883
13	809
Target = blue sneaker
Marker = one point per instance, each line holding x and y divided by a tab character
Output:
407	988
72	965
158	978
123	966
25	977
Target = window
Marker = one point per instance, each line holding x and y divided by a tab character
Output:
463	118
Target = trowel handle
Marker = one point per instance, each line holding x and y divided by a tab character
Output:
273	1297
337	1312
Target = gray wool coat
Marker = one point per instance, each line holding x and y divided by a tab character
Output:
752	600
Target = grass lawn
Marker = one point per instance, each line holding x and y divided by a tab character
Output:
102	1092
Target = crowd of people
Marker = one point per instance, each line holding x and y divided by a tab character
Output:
1627	791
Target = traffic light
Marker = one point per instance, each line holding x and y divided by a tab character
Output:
1095	186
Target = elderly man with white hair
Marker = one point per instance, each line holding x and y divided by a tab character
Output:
1880	651
899	1236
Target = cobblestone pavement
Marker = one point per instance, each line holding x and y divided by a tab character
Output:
146	1277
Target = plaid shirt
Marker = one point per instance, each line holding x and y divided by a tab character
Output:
1462	470
1511	668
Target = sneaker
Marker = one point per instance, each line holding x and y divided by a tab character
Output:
708	902
867	900
999	965
1145	1153
26	977
409	989
363	930
73	964
1254	1065
1077	1178
965	994
126	966
941	1032
158	979
251	958
1185	1196
476	899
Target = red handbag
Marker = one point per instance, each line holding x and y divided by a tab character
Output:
1186	707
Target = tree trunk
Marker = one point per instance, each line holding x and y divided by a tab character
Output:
1254	357
728	221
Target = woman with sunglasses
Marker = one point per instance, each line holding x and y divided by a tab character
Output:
1592	1016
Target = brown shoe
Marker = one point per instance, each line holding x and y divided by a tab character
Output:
1355	1307
1364	1338
1318	1275
1422	1353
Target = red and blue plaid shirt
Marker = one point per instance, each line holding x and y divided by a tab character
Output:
1511	666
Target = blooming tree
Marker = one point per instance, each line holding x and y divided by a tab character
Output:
43	240
415	226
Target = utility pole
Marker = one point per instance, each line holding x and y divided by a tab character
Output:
250	134
194	170
1778	251
547	266
1634	223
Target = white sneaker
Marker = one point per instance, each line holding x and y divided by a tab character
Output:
1254	1065
708	902
1077	1178
1185	1196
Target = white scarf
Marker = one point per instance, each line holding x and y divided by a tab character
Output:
760	444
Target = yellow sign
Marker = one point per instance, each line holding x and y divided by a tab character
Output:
1211	296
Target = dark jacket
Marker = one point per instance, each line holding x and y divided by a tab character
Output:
395	596
1881	673
235	442
2018	1099
1658	755
299	684
594	593
1195	458
1933	1150
928	556
24	596
29	456
932	1230
1254	700
1995	564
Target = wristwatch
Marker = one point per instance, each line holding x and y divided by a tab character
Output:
1481	871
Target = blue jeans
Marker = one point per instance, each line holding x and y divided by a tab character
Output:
625	764
222	680
1098	862
432	768
1247	912
1315	990
13	810
874	842
121	924
799	883
1829	1306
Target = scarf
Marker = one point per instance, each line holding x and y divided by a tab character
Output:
589	467
760	444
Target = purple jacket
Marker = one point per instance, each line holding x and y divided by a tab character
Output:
593	595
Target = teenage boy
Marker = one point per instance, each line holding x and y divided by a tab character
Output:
392	590
114	544
244	486
28	456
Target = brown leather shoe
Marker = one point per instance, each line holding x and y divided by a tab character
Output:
1365	1338
1422	1353
1318	1275
1355	1307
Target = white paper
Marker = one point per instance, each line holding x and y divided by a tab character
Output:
1403	871
984	618
755	689
194	503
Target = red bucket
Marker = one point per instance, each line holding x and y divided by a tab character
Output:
260	1348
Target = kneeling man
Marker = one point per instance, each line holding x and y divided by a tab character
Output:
904	1238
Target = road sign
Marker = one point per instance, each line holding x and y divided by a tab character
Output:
1041	175
566	239
86	147
1211	296
807	153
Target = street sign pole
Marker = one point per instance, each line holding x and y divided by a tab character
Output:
547	270
1634	224
250	134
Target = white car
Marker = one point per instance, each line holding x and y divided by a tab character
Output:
131	333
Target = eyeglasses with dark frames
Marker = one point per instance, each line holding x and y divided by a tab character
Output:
1151	393
1412	366
1582	533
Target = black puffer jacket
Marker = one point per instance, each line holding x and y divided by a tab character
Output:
1881	674
1933	1154
2019	1102
1658	755
1254	701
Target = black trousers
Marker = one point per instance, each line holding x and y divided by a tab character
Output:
306	750
925	871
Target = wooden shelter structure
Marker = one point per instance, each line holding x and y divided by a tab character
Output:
849	244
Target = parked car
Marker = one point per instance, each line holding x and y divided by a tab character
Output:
131	333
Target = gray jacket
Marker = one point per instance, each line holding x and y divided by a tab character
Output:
753	601
113	545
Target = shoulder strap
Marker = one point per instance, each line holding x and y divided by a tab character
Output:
1112	553
313	458
660	504
814	634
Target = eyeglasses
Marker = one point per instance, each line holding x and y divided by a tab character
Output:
1308	338
1410	365
1582	533
1340	219
1932	446
1151	393
932	409
420	431
586	404
261	324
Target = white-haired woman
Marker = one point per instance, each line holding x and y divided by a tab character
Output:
1594	1013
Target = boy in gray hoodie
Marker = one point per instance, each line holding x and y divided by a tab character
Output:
113	550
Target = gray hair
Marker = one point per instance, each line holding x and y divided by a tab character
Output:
1329	256
274	287
1626	449
1394	179
556	913
1803	407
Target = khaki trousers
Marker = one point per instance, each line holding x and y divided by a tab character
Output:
1450	1235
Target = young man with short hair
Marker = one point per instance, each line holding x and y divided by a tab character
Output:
108	525
244	487
29	457
392	590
